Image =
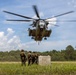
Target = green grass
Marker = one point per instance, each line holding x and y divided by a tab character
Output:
56	68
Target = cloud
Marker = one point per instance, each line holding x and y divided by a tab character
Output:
52	22
1	34
10	43
10	31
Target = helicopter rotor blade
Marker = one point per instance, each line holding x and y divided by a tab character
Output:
66	21
61	14
50	20
18	15
63	21
19	20
36	11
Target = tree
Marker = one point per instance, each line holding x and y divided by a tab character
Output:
69	52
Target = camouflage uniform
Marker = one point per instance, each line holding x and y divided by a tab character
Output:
23	57
33	58
29	58
36	58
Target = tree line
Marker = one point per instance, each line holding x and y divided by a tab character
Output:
69	54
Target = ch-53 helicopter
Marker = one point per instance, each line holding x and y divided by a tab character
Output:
40	26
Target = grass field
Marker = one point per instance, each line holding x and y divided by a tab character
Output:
56	68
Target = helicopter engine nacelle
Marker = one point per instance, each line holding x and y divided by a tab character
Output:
47	33
32	32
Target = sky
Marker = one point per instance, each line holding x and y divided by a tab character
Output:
14	35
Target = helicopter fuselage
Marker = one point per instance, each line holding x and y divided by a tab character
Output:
40	31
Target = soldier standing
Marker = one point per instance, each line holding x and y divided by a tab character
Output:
36	58
29	58
33	57
23	57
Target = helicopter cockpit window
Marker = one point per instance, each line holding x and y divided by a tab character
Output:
42	24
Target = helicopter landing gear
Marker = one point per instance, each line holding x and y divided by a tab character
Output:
32	37
45	38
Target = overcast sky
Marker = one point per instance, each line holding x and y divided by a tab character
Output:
14	35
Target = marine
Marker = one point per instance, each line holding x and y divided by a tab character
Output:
23	57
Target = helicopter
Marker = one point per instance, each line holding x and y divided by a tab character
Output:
40	26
